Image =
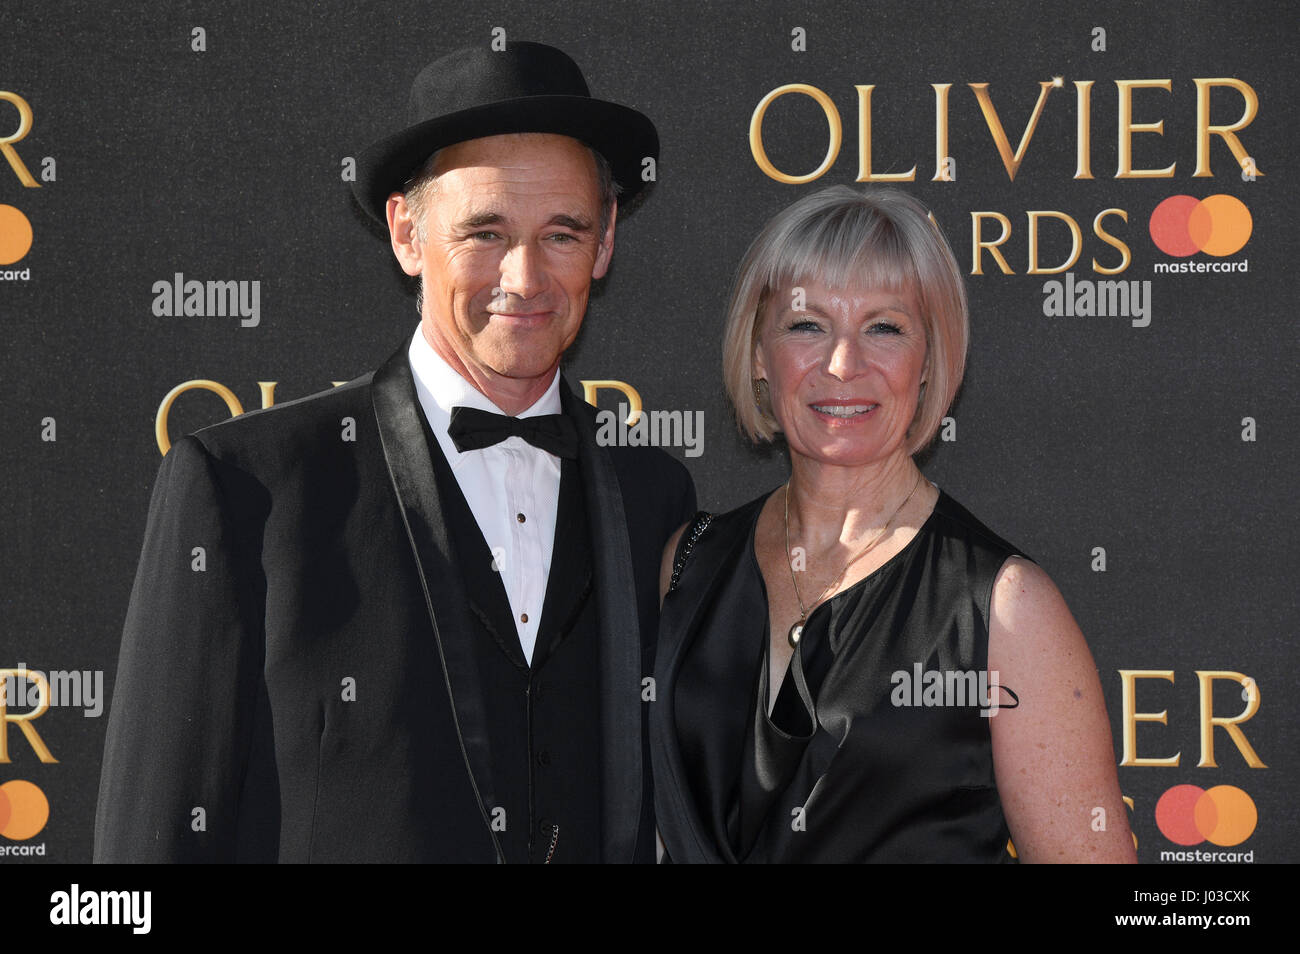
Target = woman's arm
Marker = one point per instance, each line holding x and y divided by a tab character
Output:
1052	754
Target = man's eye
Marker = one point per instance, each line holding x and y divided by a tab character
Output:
563	238
484	236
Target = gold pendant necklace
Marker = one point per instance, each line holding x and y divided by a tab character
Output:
796	631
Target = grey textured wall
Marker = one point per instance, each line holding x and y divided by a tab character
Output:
1072	433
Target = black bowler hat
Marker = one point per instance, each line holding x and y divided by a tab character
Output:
476	92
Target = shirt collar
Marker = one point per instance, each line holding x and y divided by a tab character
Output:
440	388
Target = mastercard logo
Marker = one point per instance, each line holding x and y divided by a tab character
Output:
1217	225
15	235
1223	815
23	810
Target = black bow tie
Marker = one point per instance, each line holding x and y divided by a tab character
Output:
472	429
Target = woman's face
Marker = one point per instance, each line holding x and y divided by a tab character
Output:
843	370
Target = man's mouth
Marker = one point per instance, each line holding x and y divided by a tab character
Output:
844	410
522	316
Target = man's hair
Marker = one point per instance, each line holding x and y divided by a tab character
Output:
423	182
879	239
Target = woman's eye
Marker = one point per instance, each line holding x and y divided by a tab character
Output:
886	328
804	324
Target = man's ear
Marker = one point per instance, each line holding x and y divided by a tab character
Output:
401	234
605	251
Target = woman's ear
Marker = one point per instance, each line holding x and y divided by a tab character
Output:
756	361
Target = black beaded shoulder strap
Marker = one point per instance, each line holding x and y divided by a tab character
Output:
699	523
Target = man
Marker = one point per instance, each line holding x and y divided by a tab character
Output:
408	619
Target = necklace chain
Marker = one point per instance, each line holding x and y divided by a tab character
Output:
797	629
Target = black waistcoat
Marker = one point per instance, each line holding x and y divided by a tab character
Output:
544	795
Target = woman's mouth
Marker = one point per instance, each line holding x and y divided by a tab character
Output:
844	411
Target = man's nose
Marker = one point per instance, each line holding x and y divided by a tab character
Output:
522	274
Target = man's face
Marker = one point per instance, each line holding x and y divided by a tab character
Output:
510	245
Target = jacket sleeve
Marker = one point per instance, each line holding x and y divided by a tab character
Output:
686	505
186	692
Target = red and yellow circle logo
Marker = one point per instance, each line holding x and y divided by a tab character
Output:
1223	815
15	235
1218	225
23	810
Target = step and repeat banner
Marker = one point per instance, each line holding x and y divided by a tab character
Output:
179	243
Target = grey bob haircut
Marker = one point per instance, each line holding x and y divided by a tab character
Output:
876	239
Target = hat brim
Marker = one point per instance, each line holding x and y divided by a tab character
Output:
622	135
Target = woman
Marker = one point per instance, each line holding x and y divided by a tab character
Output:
852	667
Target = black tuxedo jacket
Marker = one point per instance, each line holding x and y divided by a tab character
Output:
295	682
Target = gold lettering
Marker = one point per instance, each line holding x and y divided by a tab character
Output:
1009	160
864	144
1130	717
1101	233
24	719
1204	130
941	156
1083	91
1076	242
1228	723
6	142
589	389
1127	127
164	409
1129	802
977	245
756	133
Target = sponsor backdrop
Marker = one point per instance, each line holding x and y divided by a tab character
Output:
178	243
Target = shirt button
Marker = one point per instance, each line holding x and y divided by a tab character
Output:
543	757
523	617
520	517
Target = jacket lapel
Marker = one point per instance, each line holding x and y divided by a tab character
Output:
485	594
620	638
570	582
410	467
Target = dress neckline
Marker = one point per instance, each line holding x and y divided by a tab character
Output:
769	693
758	570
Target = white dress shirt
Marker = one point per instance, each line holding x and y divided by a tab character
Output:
513	488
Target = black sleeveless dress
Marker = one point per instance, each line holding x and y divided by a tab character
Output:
876	750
